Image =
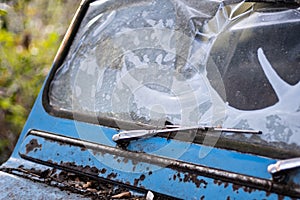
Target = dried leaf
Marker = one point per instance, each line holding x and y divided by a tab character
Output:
88	184
92	190
122	195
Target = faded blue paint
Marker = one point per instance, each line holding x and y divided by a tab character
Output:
163	180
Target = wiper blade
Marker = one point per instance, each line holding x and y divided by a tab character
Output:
142	134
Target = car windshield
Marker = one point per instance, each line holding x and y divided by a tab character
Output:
188	62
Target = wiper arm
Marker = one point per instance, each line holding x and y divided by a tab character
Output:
281	167
141	134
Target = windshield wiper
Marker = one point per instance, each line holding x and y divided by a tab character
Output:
142	134
283	165
281	168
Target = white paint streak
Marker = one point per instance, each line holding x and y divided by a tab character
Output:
280	86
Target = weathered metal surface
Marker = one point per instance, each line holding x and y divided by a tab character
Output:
14	187
142	170
215	159
33	145
71	183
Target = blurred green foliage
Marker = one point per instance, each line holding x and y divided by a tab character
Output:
30	34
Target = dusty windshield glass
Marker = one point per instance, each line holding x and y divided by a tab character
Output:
187	62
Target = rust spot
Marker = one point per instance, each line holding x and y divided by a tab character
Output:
96	152
92	170
235	188
125	160
226	185
137	180
103	171
149	173
50	161
193	178
174	177
33	144
248	189
280	197
202	198
112	175
217	182
87	169
228	198
205	183
186	178
142	177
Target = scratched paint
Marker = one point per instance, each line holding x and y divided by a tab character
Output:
189	177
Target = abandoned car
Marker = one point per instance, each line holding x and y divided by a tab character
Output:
158	99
